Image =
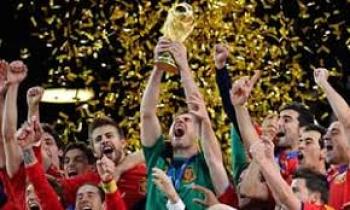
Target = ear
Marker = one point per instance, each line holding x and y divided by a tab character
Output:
124	143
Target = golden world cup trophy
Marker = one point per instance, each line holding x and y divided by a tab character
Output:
177	27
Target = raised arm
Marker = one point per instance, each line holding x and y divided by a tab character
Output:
195	102
34	96
240	92
179	52
15	75
223	82
150	126
35	171
210	145
262	152
3	68
337	102
251	185
106	168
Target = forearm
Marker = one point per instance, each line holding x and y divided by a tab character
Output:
13	153
44	191
151	95
10	113
150	126
33	110
247	130
338	104
224	85
188	83
238	155
213	157
113	197
2	152
281	191
251	185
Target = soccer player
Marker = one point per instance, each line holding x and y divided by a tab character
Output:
309	189
338	147
188	165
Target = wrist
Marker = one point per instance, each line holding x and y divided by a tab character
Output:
184	67
109	186
220	65
173	197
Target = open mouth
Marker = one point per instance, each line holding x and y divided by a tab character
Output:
179	132
86	208
300	156
329	147
107	149
34	206
280	134
72	173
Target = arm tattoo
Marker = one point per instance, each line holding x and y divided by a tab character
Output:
28	156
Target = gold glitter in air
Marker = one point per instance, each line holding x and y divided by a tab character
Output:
109	46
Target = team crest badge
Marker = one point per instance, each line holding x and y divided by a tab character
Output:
189	175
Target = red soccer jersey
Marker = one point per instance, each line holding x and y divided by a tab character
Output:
229	197
339	182
310	206
288	162
114	201
14	188
132	185
46	194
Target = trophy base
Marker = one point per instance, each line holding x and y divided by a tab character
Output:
167	67
166	62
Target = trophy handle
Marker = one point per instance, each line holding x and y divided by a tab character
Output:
166	61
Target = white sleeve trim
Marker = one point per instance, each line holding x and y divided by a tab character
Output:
179	205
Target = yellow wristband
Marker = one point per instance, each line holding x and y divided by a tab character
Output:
110	187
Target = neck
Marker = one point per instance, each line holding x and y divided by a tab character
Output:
185	152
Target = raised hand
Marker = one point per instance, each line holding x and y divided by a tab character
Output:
197	107
321	76
105	168
179	52
17	72
220	57
34	95
209	197
25	136
262	150
163	45
29	134
163	182
242	88
4	66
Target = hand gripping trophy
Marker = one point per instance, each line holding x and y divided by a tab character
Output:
177	27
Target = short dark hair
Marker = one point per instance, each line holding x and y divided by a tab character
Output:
100	190
305	115
314	181
102	121
317	128
82	147
47	128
